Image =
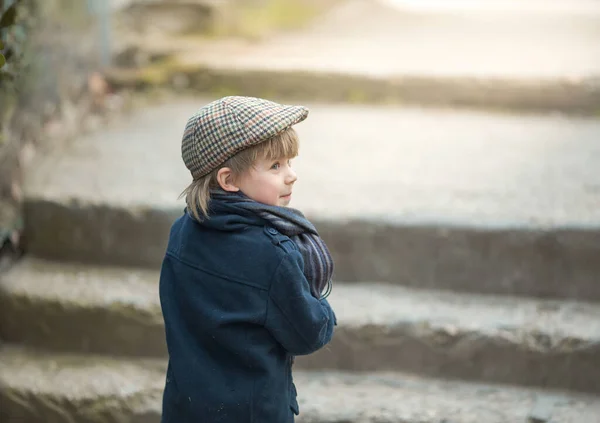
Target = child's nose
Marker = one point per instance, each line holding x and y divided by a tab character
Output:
292	177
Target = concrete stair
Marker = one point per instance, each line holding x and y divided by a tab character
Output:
65	388
466	242
470	201
525	57
554	344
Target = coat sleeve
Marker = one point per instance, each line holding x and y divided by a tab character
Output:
301	323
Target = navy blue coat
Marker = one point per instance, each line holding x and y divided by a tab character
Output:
237	308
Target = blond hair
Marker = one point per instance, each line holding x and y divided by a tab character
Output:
197	194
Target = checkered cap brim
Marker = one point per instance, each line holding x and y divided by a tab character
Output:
224	127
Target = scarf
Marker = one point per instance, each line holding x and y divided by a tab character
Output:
318	264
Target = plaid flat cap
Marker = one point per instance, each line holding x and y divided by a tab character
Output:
226	126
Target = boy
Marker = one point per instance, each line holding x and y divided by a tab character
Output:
241	281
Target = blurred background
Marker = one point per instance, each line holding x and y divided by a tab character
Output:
451	161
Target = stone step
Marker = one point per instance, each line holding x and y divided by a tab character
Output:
38	387
536	7
116	311
436	199
371	51
169	17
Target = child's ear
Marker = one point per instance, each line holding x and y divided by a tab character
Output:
225	180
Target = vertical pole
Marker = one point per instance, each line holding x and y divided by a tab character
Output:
105	32
102	10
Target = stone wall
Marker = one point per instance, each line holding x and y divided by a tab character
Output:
50	100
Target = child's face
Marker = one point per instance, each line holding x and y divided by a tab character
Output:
269	182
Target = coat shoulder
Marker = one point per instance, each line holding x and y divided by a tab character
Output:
284	244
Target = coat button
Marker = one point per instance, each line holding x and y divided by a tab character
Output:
272	231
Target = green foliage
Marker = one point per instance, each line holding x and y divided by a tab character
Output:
8	18
16	22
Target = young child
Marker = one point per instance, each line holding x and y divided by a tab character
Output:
242	277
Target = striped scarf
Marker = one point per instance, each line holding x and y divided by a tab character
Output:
318	264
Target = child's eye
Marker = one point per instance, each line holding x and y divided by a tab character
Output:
275	166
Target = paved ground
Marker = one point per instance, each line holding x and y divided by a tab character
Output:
388	163
85	388
377	38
